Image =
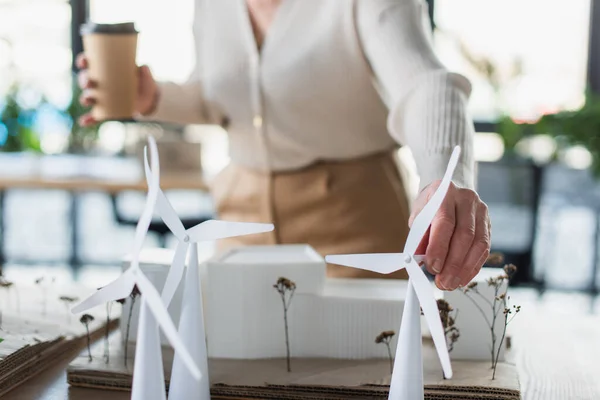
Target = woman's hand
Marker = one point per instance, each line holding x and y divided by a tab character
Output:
458	242
147	97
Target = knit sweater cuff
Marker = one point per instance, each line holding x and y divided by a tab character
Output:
431	120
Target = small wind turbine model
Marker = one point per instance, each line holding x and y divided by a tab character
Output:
148	376
182	385
407	376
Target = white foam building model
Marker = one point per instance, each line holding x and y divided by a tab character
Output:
475	317
329	318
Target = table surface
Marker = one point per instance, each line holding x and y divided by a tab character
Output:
87	173
556	348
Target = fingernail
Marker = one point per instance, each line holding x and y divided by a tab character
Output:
436	266
455	282
451	282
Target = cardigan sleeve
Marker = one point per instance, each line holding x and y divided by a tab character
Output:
428	104
185	103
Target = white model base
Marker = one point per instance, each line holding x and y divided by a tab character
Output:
332	318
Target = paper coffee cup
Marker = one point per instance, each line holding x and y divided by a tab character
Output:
111	51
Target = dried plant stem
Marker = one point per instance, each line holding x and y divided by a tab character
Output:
506	322
286	290
389	350
287	335
493	331
497	305
106	333
483	314
87	328
491	324
128	326
495	360
482	297
385	337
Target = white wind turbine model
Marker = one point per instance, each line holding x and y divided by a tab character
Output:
148	376
407	376
183	386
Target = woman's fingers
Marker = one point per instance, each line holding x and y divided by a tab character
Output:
84	81
458	241
87	99
480	249
440	234
87	120
462	239
81	61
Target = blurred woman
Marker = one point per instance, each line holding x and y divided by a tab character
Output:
316	96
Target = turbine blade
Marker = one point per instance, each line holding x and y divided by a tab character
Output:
424	292
383	263
215	229
175	273
117	289
146	218
423	220
164	207
158	309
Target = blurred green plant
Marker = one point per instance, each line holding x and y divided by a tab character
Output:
81	139
568	128
575	128
16	127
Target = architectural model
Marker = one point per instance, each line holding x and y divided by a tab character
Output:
234	291
331	318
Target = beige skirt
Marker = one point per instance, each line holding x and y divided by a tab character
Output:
357	206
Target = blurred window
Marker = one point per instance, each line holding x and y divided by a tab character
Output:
535	52
35	49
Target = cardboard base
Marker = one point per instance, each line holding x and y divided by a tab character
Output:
39	332
309	379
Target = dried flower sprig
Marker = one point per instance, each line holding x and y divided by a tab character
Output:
132	296
86	319
68	300
385	337
495	259
448	316
497	305
107	332
286	289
